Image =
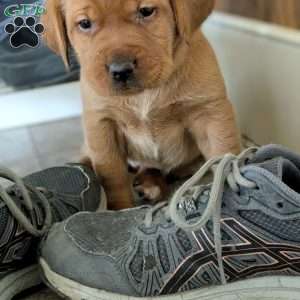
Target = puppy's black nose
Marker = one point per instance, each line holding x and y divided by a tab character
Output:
122	71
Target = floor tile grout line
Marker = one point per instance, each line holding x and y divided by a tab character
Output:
34	147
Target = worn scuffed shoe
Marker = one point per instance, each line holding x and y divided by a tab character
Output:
28	209
236	238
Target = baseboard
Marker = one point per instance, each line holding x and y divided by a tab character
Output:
31	107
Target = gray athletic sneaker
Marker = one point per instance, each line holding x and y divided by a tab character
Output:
236	238
28	209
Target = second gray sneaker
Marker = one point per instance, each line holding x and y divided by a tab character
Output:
29	208
236	238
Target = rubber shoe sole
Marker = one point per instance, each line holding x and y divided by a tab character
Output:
264	288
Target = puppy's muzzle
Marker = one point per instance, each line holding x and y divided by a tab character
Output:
122	71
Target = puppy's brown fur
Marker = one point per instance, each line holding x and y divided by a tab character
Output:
174	111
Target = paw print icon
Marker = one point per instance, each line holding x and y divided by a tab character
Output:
24	32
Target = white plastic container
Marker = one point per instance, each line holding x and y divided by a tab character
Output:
261	65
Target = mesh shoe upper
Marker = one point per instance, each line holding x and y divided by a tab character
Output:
68	190
121	252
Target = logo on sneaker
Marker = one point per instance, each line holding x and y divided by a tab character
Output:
249	258
24	32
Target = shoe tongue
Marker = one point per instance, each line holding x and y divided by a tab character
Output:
192	207
274	166
279	166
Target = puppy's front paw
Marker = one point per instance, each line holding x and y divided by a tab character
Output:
151	193
150	186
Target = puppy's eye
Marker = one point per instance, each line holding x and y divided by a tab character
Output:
147	12
85	25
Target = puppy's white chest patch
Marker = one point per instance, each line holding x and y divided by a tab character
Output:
142	110
141	138
143	142
154	139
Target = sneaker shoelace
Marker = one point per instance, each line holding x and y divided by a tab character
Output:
225	169
24	190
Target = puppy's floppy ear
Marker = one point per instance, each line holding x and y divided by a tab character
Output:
55	34
190	14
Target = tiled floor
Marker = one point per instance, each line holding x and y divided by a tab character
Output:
30	149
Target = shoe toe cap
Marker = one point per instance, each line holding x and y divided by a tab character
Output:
85	257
